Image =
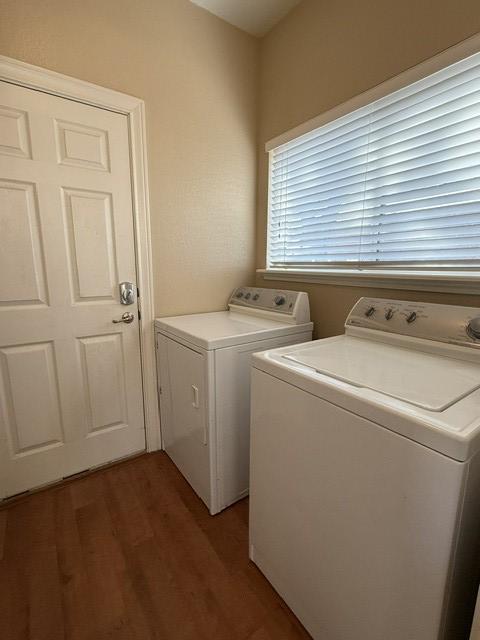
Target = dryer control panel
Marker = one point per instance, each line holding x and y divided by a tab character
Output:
283	305
440	322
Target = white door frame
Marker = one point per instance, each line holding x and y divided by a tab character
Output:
32	77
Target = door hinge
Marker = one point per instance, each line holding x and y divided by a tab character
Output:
139	315
138	292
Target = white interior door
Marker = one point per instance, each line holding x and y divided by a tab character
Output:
70	379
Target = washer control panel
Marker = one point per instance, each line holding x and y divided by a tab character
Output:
288	304
440	322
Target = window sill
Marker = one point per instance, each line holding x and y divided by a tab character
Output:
466	282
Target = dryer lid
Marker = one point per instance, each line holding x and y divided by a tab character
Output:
426	380
225	328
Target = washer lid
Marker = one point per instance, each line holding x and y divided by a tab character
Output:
426	380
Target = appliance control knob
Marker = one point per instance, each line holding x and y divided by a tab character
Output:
473	328
388	314
412	317
247	296
370	311
279	300
256	296
239	294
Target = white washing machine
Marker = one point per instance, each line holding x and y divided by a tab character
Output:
365	473
203	364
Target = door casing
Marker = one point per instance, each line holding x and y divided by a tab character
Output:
37	78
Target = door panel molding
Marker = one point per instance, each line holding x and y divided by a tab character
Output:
14	133
22	235
33	77
103	379
81	146
89	221
34	421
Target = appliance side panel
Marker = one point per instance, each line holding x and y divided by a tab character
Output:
353	524
211	435
164	398
184	402
465	569
232	409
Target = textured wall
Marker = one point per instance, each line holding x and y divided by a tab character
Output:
198	77
325	52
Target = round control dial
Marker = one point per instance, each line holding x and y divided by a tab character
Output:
279	300
369	312
239	294
473	328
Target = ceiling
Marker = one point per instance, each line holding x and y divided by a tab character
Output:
254	16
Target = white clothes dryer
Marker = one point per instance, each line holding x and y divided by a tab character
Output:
203	363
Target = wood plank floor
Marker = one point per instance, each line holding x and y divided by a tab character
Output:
131	553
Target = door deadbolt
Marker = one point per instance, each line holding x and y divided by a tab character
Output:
127	292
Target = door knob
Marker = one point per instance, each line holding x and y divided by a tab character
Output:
126	317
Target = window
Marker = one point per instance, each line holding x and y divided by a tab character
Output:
393	185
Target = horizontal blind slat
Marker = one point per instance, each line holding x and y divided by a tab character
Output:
441	240
426	209
453	183
432	85
395	165
461	165
463	107
455	125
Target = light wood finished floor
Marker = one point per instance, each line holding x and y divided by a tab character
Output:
130	553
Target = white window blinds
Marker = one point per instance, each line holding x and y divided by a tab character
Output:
395	183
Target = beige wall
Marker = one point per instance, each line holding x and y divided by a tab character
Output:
198	77
326	52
